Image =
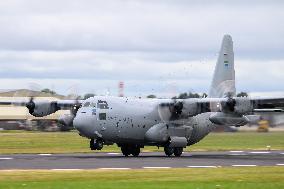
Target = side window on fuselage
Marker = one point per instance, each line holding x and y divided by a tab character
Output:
102	116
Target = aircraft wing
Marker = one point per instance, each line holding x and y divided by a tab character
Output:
62	104
243	104
268	103
40	108
178	109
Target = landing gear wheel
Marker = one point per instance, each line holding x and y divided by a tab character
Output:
130	149
125	150
168	150
92	144
178	151
97	144
135	151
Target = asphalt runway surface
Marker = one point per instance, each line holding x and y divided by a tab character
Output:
146	160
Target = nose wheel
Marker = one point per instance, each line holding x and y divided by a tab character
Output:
96	144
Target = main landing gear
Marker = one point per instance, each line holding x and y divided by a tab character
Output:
96	144
130	149
177	151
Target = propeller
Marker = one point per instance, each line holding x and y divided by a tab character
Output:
72	92
28	95
170	111
34	90
225	89
31	105
66	120
75	107
229	104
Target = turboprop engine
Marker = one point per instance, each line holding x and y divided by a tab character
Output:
221	118
233	112
66	120
42	108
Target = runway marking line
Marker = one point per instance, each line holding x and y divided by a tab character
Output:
260	152
117	168
44	154
282	153
237	154
236	151
113	153
244	165
203	166
5	158
66	169
280	164
156	167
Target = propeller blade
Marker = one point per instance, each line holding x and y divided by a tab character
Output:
170	111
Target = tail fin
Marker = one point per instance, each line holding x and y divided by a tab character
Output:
223	83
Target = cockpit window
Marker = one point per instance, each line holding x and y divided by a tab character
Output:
86	104
93	104
102	104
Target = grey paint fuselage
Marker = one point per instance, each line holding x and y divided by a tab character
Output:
128	119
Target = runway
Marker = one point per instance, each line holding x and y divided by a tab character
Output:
146	160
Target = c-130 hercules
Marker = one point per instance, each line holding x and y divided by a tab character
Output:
133	123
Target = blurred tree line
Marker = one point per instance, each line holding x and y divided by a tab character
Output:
196	95
180	96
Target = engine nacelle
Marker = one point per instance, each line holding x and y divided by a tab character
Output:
66	120
226	119
42	108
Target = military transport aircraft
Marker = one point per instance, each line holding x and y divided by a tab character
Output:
133	123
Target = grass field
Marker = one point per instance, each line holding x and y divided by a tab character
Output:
234	178
69	142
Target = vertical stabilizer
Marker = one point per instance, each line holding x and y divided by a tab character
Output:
223	83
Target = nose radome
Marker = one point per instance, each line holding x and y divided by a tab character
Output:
84	124
81	125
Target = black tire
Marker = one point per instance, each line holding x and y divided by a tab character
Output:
99	144
96	144
92	144
168	150
178	151
135	151
125	151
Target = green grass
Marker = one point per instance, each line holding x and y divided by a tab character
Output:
70	142
234	178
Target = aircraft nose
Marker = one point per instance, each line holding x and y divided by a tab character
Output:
81	124
77	123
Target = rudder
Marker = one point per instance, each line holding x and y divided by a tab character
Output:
223	83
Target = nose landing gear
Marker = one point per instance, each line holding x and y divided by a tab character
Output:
96	144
